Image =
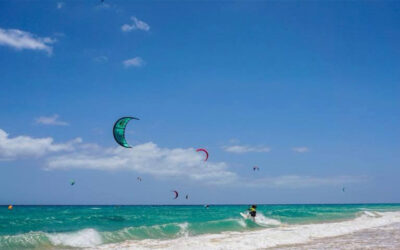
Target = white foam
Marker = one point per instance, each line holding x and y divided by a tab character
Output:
183	229
83	238
269	237
371	213
242	223
265	221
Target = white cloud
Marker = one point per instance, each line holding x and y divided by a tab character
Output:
100	59
136	25
51	120
147	158
238	149
21	40
23	146
60	5
301	149
182	163
133	62
296	181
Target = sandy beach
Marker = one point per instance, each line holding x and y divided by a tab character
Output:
385	237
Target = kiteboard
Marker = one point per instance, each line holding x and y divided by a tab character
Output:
245	216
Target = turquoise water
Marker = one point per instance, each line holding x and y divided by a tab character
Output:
74	226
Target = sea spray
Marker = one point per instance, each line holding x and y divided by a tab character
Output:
83	238
265	221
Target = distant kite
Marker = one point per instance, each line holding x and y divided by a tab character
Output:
119	131
203	150
72	182
256	168
187	196
139	179
343	189
176	194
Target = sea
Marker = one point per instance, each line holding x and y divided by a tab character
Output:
331	226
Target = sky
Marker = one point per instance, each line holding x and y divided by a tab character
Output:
307	91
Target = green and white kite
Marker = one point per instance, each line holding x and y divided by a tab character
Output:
119	131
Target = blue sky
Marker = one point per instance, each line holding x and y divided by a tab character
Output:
307	91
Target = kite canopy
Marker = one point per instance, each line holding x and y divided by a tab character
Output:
256	168
119	131
203	150
176	194
72	182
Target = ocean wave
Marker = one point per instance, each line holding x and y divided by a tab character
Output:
267	237
28	240
91	237
230	233
371	213
163	231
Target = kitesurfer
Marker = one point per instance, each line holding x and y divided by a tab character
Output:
253	212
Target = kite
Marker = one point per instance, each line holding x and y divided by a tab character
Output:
256	168
203	150
187	196
119	131
139	179
176	194
72	182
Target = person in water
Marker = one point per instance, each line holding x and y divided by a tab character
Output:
253	212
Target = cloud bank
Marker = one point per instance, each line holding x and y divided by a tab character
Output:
151	159
147	158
